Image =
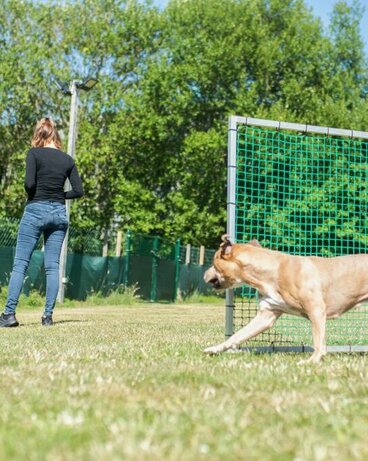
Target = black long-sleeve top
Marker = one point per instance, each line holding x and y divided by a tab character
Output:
47	169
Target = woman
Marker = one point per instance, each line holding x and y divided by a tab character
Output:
47	168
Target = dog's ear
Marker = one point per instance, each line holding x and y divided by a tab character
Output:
255	243
226	245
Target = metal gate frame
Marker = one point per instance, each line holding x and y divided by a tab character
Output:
234	121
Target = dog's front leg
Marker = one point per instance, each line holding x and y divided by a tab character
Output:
318	320
261	322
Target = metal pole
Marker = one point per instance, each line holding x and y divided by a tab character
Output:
177	269
154	270
231	216
301	127
127	258
71	151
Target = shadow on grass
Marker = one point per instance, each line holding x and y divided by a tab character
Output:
55	322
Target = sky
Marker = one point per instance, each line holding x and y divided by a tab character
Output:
323	9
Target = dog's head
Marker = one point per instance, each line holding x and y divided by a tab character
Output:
227	269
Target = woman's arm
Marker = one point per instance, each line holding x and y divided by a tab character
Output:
30	179
76	183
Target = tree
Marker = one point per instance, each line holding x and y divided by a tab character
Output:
24	96
152	134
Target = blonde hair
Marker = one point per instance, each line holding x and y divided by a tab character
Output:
45	133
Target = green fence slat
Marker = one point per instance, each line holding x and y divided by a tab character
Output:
151	263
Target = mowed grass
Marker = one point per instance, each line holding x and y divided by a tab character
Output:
132	383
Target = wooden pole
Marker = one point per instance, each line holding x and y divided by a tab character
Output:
105	247
201	255
188	253
119	236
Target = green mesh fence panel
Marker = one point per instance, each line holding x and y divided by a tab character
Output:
208	257
153	264
191	281
6	263
152	267
80	240
86	241
140	274
9	231
302	194
89	274
165	281
194	256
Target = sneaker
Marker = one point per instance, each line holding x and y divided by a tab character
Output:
8	320
47	320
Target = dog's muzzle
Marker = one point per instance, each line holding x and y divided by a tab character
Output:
210	276
215	282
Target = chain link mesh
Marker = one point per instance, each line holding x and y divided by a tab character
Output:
307	195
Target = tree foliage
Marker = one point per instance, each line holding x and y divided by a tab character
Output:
152	134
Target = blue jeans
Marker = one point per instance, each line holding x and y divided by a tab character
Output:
50	219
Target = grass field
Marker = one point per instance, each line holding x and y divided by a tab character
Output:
131	383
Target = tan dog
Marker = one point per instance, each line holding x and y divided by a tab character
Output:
308	286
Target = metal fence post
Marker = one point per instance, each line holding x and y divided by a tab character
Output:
127	254
154	270
177	269
231	214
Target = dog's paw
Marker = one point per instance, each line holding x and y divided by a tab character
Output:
213	350
312	360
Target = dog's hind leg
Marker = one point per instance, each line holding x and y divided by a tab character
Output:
261	322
